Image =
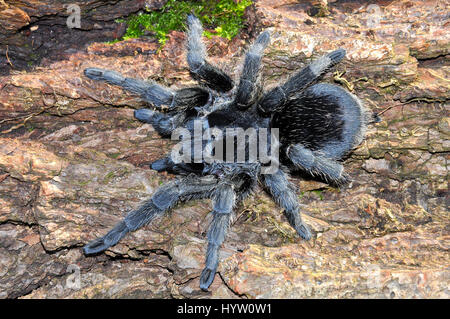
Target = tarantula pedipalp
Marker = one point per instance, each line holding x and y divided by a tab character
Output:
318	124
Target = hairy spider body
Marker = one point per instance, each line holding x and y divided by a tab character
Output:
318	124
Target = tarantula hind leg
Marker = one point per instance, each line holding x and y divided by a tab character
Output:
224	199
164	199
317	164
284	195
275	98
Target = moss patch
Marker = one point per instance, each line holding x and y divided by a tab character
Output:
224	18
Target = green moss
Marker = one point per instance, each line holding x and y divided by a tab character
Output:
121	171
318	192
114	155
30	127
223	16
83	183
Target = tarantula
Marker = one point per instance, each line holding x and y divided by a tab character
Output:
318	124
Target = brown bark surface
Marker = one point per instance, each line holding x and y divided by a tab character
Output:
74	161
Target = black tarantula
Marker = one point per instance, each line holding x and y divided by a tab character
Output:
318	124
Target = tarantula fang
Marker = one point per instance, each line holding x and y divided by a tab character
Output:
317	123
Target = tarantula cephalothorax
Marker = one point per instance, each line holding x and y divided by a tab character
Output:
318	124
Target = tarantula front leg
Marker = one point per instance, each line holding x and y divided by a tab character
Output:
152	92
284	195
164	124
224	199
200	69
248	84
164	199
317	164
275	98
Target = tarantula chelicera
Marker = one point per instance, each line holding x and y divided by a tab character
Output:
317	125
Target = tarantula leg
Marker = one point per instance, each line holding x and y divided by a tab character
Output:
167	165
151	92
248	83
275	98
224	199
200	69
284	195
164	124
164	199
317	164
